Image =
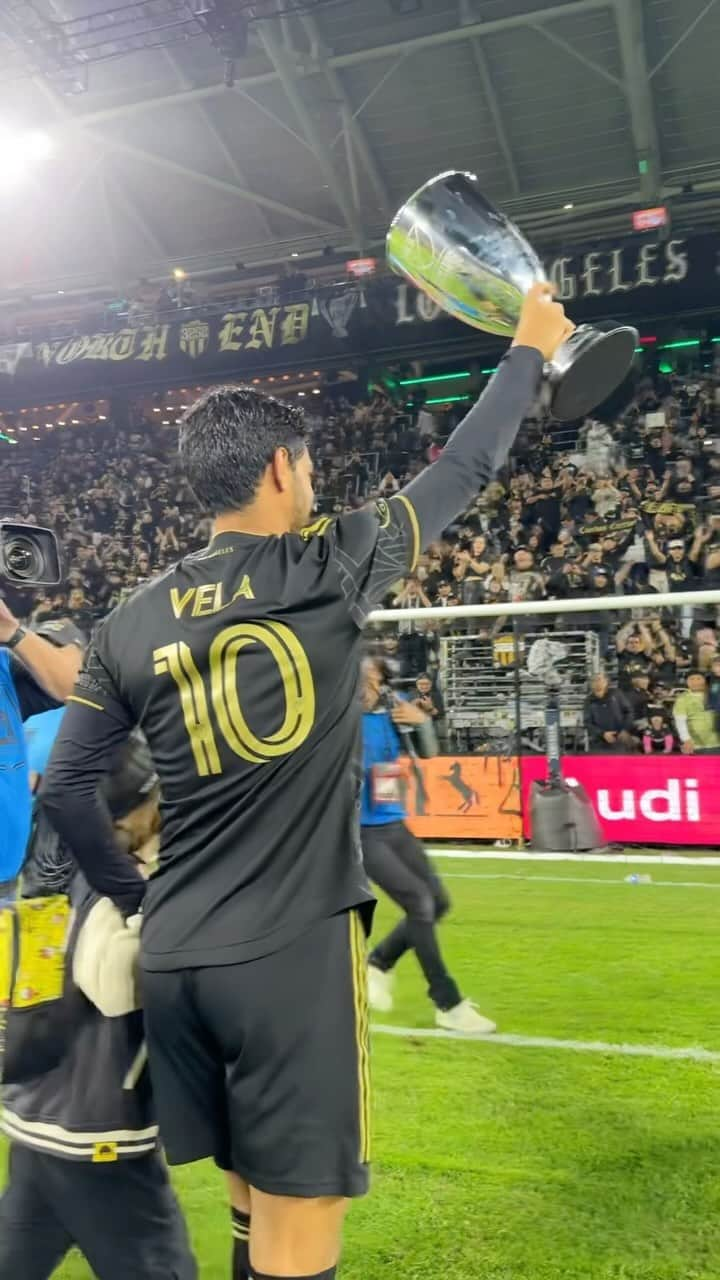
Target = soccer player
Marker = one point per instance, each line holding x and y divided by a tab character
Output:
241	665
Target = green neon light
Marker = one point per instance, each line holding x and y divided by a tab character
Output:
489	370
665	368
637	349
715	339
675	346
434	377
447	399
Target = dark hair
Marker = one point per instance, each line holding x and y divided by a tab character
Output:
227	440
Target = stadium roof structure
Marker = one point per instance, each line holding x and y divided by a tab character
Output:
198	133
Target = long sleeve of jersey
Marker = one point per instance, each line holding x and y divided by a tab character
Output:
94	726
381	543
477	447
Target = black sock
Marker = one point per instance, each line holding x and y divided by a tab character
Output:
322	1275
241	1244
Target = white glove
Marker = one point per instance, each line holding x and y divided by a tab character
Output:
105	963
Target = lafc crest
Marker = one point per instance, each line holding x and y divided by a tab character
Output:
194	337
337	311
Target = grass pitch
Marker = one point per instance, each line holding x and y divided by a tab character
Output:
505	1163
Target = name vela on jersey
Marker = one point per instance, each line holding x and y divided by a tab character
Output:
201	602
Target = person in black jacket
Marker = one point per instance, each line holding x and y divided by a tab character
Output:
85	1168
608	718
640	699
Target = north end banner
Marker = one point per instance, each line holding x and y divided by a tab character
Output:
369	322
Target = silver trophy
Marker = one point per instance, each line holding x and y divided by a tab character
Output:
473	261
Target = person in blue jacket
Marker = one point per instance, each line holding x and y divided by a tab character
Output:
40	734
37	672
397	862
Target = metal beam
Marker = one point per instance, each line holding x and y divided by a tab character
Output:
350	160
375	89
599	70
132	211
271	115
561	12
285	67
354	130
488	88
218	184
223	147
468	15
113	249
629	17
681	39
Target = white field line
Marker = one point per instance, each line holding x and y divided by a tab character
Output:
609	859
691	1053
653	884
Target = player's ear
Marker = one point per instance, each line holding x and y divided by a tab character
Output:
281	467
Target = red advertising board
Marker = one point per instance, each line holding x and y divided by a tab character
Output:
644	799
650	219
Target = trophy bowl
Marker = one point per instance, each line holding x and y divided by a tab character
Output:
466	255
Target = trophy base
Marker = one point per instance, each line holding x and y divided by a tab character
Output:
587	369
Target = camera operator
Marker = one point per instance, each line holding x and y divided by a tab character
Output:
37	672
397	861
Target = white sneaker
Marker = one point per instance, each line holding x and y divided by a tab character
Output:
464	1017
380	997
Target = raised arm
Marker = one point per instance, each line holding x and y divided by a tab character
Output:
657	555
377	545
52	667
623	635
483	440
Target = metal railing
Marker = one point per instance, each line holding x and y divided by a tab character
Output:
492	699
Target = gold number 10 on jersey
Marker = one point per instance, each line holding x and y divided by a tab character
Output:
177	661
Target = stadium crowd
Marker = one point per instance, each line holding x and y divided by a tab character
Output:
633	508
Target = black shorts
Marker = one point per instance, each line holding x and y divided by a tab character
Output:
264	1066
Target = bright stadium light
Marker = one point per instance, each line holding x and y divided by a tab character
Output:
20	153
39	144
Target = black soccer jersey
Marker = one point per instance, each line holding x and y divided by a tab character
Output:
241	667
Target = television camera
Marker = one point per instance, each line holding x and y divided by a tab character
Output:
29	555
